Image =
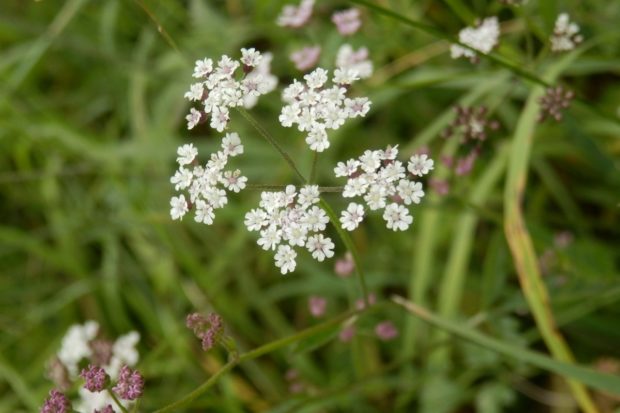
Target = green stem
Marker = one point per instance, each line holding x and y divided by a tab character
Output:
315	158
273	143
253	354
118	403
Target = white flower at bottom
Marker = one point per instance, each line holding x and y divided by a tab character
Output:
410	191
285	259
186	154
204	212
397	217
320	247
179	207
352	217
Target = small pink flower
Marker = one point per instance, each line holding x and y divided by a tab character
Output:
306	58
344	266
317	305
386	331
96	378
466	164
361	304
208	329
130	384
347	21
347	333
57	402
440	186
296	16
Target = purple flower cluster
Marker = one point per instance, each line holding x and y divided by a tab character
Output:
107	409
57	402
130	384
96	378
208	329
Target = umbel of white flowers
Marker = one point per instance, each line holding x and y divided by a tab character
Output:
483	38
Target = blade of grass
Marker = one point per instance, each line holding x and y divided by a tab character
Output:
592	378
517	235
452	283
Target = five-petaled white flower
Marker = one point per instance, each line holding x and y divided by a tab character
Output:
351	218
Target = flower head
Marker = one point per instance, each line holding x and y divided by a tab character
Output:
553	103
357	60
316	108
296	16
347	21
96	378
382	182
289	219
565	35
208	329
56	402
130	384
483	38
317	305
386	331
306	58
203	183
218	88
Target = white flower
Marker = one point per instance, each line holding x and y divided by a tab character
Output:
219	118
233	181
270	237
123	352
231	143
420	165
308	195
346	169
347	21
285	259
182	179
410	191
347	58
204	212
356	107
203	68
352	217
320	247
482	38
370	161
256	219
317	140
250	57
375	198
187	153
193	118
266	81
195	92
397	217
565	35
355	187
316	79
179	207
75	345
295	235
345	76
316	219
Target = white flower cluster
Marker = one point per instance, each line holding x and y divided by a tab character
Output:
288	219
202	182
77	346
357	60
565	35
218	90
383	183
315	108
482	38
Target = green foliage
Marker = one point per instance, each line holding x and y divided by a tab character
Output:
91	113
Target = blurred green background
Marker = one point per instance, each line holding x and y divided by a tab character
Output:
91	114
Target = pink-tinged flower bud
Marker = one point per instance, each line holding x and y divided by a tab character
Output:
306	58
208	329
347	333
361	304
344	266
130	384
96	378
56	403
347	21
386	331
317	306
440	186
